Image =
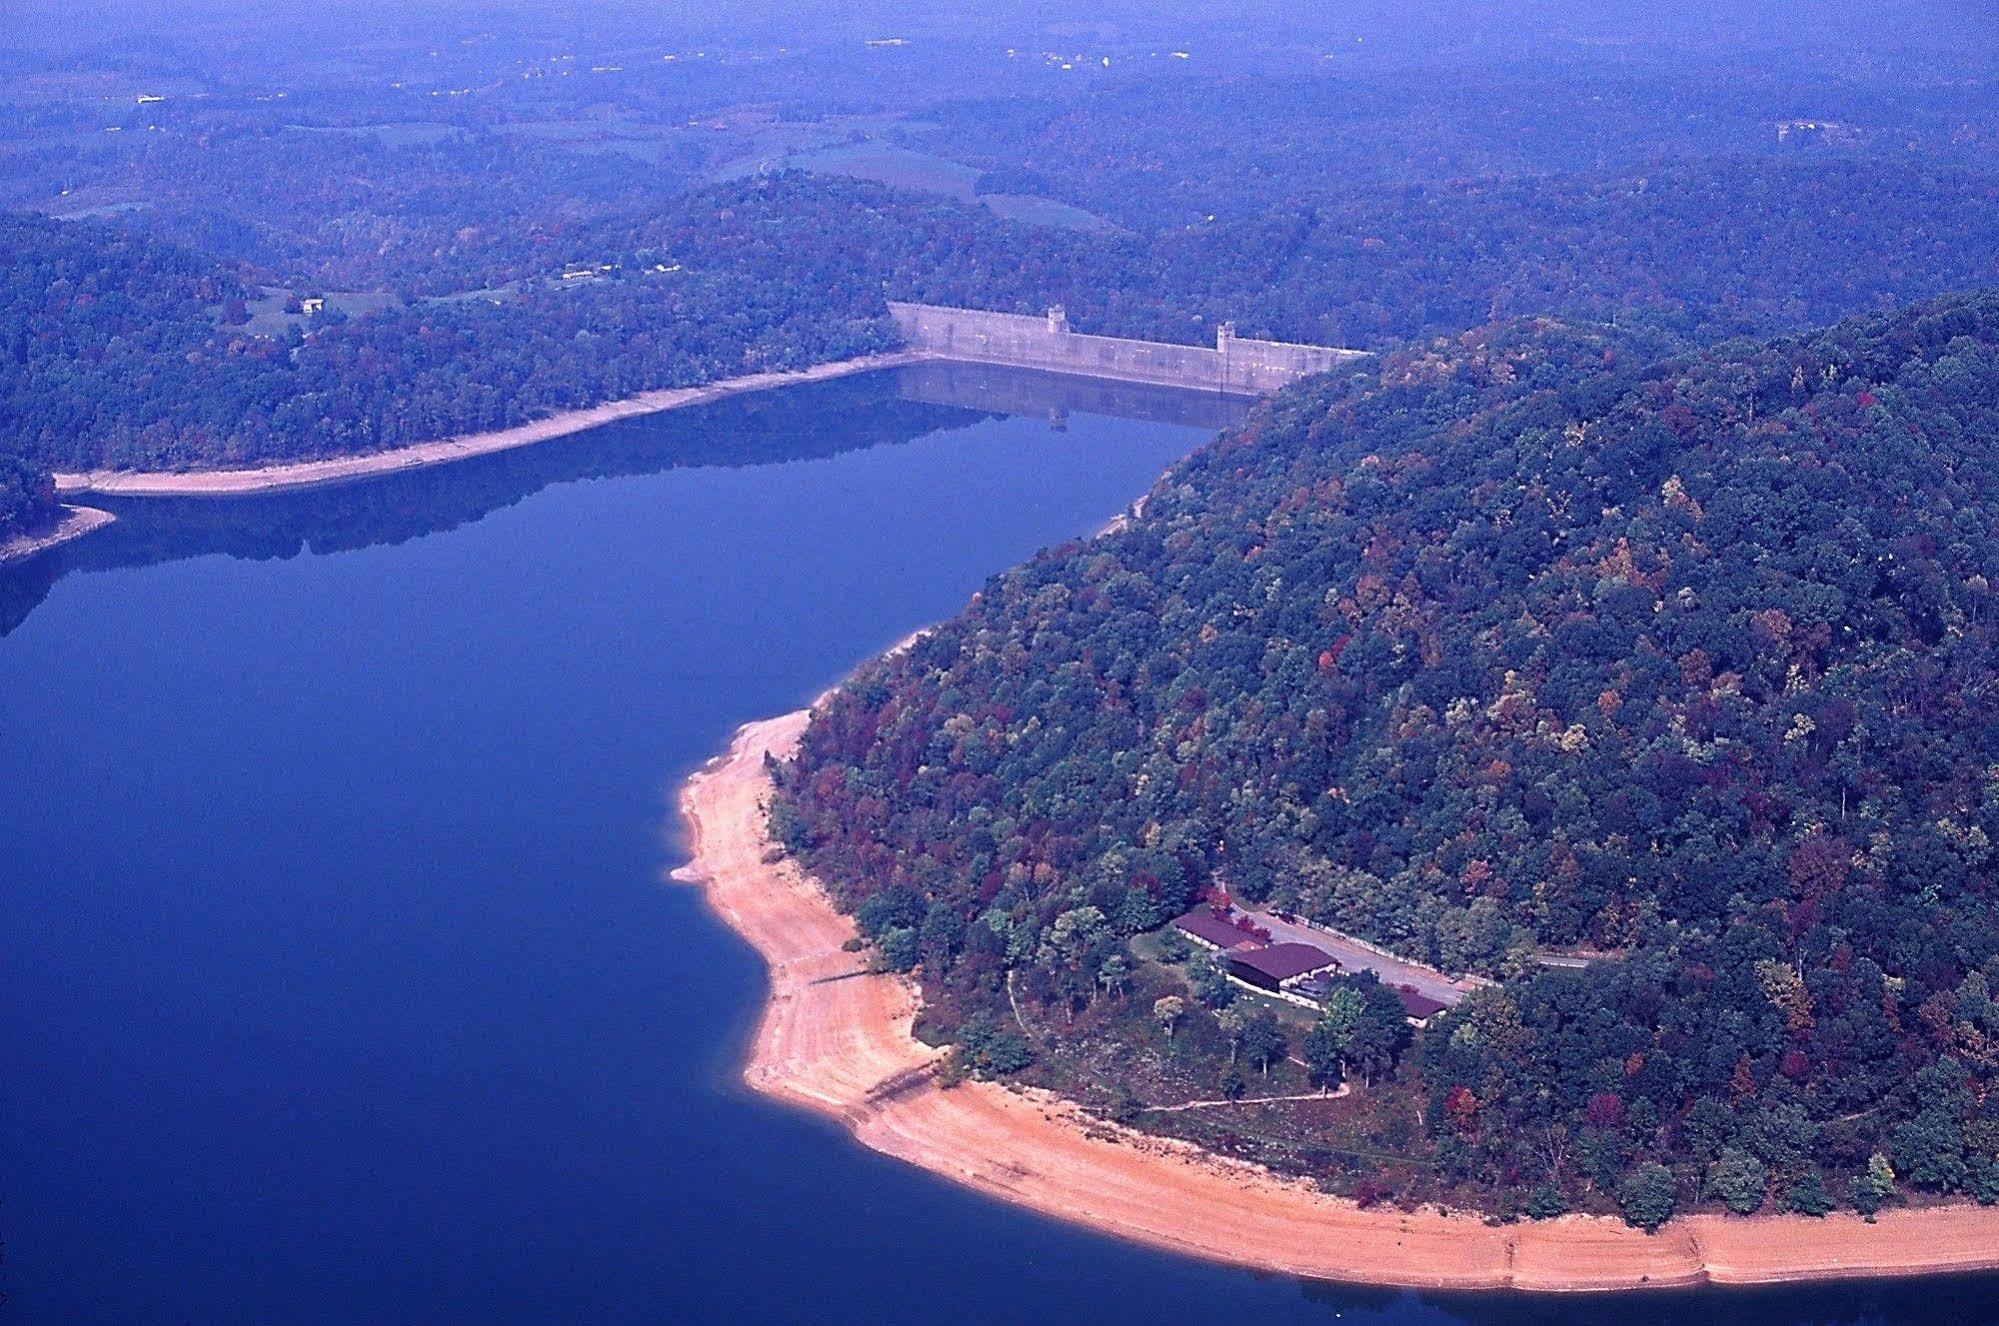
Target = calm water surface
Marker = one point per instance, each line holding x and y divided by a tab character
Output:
340	980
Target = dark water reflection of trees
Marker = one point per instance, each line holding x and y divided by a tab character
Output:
767	428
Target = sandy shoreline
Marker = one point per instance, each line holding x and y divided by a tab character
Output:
844	1048
341	469
76	522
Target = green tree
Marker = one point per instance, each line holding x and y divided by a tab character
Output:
1263	1043
1233	1021
1327	1044
1380	1032
943	934
991	1050
1211	982
1880	1177
1707	1129
1546	1202
1066	948
1740	1180
1809	1195
898	948
1114	974
1647	1196
1928	1150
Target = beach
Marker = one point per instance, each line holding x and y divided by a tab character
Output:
839	1042
76	522
341	469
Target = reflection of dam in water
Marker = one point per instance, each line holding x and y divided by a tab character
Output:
1001	390
815	420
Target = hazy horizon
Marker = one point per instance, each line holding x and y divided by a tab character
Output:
1819	28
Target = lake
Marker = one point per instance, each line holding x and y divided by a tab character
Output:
343	982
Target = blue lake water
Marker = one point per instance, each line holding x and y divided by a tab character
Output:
341	982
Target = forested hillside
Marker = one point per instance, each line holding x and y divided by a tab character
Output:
132	354
27	494
1502	644
1155	156
137	354
1690	254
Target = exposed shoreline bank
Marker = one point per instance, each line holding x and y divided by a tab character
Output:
76	522
844	1047
292	475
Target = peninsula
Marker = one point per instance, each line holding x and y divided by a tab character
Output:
840	1042
73	522
291	475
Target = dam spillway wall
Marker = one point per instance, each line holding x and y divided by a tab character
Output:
1235	365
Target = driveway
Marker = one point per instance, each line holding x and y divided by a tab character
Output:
1354	957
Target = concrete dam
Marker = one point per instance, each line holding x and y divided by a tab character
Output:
1236	365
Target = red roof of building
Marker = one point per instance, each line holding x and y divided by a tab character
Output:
1206	923
1281	962
1417	1004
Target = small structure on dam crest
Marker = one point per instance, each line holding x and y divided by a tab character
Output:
1236	364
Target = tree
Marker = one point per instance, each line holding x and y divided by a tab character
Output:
991	1050
1707	1129
1168	1010
891	909
943	934
1740	1180
1647	1196
1546	1202
1073	933
1809	1195
1324	1055
1880	1176
1379	1033
1211	982
1066	948
1262	1042
1232	1021
1327	1044
1114	974
1929	1150
898	948
1981	1179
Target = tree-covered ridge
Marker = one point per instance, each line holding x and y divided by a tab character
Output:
27	495
136	354
1504	643
132	354
1690	253
1162	155
106	308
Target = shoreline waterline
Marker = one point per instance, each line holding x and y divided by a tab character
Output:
845	1048
290	476
76	522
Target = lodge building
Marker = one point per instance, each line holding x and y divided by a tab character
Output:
1297	972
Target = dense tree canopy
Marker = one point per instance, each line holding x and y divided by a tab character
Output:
27	495
1688	253
137	354
1508	643
124	352
1156	155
